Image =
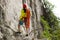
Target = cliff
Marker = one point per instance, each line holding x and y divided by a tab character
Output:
9	16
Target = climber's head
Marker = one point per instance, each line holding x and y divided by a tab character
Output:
24	6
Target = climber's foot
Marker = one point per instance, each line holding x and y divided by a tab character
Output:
26	34
18	32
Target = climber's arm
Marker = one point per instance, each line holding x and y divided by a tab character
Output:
30	12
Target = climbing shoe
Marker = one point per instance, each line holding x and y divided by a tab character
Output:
18	32
26	34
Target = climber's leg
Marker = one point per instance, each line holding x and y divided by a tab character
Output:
25	21
18	29
27	31
27	26
19	25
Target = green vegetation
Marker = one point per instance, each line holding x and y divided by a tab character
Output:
50	22
46	28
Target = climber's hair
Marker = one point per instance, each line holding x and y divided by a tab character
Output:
24	10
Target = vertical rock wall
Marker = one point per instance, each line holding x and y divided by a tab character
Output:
9	16
11	10
36	12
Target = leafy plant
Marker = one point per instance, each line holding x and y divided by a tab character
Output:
50	23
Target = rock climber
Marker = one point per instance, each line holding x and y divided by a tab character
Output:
27	18
24	18
21	19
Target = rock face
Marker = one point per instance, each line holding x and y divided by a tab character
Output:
9	16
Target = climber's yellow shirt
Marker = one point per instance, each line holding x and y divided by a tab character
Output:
23	14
